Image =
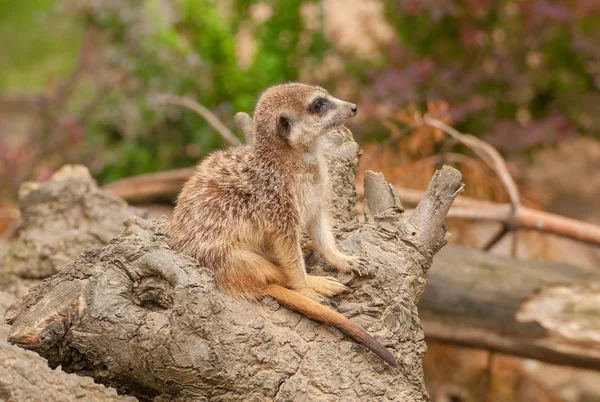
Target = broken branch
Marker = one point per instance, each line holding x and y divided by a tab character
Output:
202	111
487	153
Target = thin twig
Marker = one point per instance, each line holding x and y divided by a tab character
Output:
202	111
487	379
487	153
494	160
497	237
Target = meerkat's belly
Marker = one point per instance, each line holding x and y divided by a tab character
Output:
312	197
311	186
311	202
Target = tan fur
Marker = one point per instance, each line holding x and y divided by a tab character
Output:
243	210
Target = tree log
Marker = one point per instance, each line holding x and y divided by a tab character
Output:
24	376
142	318
60	218
540	310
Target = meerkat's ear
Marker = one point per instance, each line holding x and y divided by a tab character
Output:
243	122
284	126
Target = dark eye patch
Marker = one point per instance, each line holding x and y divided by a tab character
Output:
318	105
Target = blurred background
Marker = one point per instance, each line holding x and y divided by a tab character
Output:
80	82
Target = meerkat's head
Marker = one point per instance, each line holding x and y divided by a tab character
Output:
298	114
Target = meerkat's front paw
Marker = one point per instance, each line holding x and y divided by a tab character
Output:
347	263
326	285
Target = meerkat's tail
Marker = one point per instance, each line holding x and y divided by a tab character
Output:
315	311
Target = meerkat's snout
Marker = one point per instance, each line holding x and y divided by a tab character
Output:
336	113
344	108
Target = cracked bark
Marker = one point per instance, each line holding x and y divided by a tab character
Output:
25	376
61	217
140	317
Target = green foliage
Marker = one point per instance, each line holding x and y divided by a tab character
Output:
191	52
35	46
519	73
511	71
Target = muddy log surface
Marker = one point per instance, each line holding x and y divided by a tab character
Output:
140	317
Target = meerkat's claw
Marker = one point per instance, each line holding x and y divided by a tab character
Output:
360	267
326	285
349	263
352	263
361	270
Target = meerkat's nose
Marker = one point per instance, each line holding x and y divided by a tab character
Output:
354	109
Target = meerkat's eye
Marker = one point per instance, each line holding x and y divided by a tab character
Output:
318	105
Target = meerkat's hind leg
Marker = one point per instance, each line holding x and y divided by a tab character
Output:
292	265
326	285
246	274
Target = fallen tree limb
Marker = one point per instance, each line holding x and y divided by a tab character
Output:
523	218
149	185
169	182
142	318
540	310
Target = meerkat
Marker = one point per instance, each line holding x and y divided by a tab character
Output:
243	210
